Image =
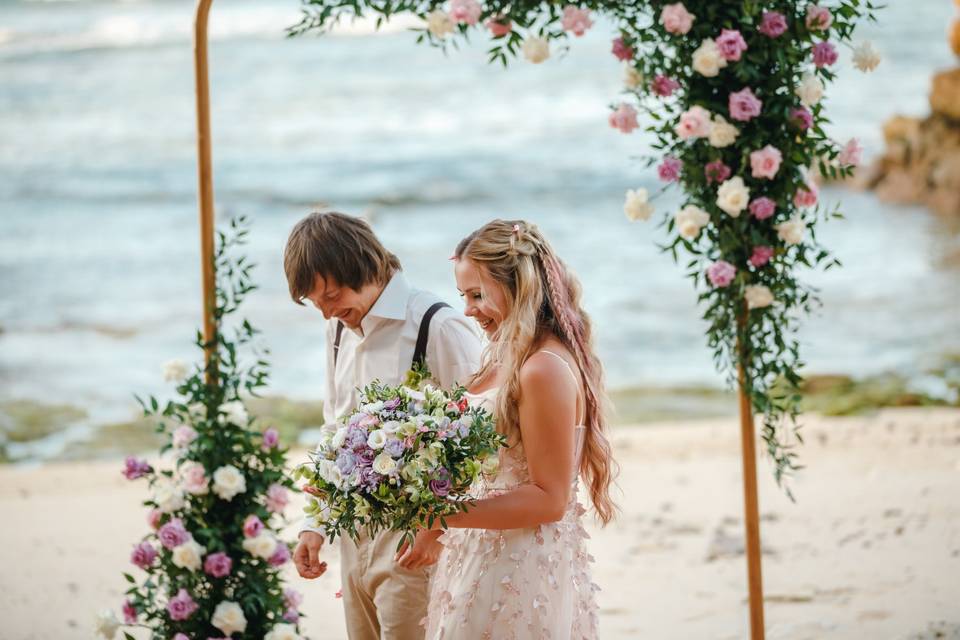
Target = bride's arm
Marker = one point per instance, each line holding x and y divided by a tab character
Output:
547	410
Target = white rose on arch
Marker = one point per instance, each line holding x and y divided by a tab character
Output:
733	196
690	220
722	133
637	205
792	230
228	481
234	412
283	631
707	59
757	296
439	24
229	618
810	90
261	546
536	50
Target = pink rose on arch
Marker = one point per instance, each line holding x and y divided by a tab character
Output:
181	636
153	518
694	123
744	105
143	555
824	54
773	24
764	163
850	154
761	256
181	606
621	50
291	616
218	564
731	44
184	435
252	526
721	273
624	118
576	20
292	598
807	195
818	18
271	438
664	86
716	171
173	534
762	208
499	27
129	613
669	169
277	498
134	468
465	11
676	19
801	118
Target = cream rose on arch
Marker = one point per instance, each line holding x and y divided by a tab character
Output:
733	196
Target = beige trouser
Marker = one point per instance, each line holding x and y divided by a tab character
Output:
381	599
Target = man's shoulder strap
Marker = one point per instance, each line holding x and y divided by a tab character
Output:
420	351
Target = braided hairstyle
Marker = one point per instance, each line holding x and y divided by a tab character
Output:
543	299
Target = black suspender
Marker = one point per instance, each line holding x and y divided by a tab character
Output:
419	351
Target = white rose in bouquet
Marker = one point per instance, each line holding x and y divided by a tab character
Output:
229	618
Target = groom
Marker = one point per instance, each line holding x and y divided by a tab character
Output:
377	326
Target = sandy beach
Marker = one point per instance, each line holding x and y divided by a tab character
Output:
871	549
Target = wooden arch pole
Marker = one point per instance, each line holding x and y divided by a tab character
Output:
205	177
751	508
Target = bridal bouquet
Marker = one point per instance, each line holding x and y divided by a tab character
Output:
403	459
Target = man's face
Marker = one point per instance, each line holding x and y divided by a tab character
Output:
343	303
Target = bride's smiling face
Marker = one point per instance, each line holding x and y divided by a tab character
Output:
484	299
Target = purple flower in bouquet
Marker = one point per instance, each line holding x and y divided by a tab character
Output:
252	526
394	448
281	556
366	456
356	438
143	555
824	54
218	564
441	484
463	427
134	468
277	497
271	438
773	24
173	534
369	479
181	606
129	613
346	461
391	405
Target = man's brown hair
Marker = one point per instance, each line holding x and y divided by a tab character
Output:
338	247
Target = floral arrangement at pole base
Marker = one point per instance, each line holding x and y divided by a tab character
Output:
210	565
735	94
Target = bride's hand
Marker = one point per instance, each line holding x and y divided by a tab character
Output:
424	552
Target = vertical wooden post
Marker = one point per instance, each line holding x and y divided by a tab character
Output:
205	178
751	509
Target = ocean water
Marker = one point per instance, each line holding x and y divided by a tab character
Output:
99	252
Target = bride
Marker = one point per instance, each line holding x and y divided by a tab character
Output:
516	565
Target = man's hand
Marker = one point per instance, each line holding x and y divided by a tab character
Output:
424	552
307	556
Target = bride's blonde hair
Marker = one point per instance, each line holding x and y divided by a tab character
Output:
543	298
